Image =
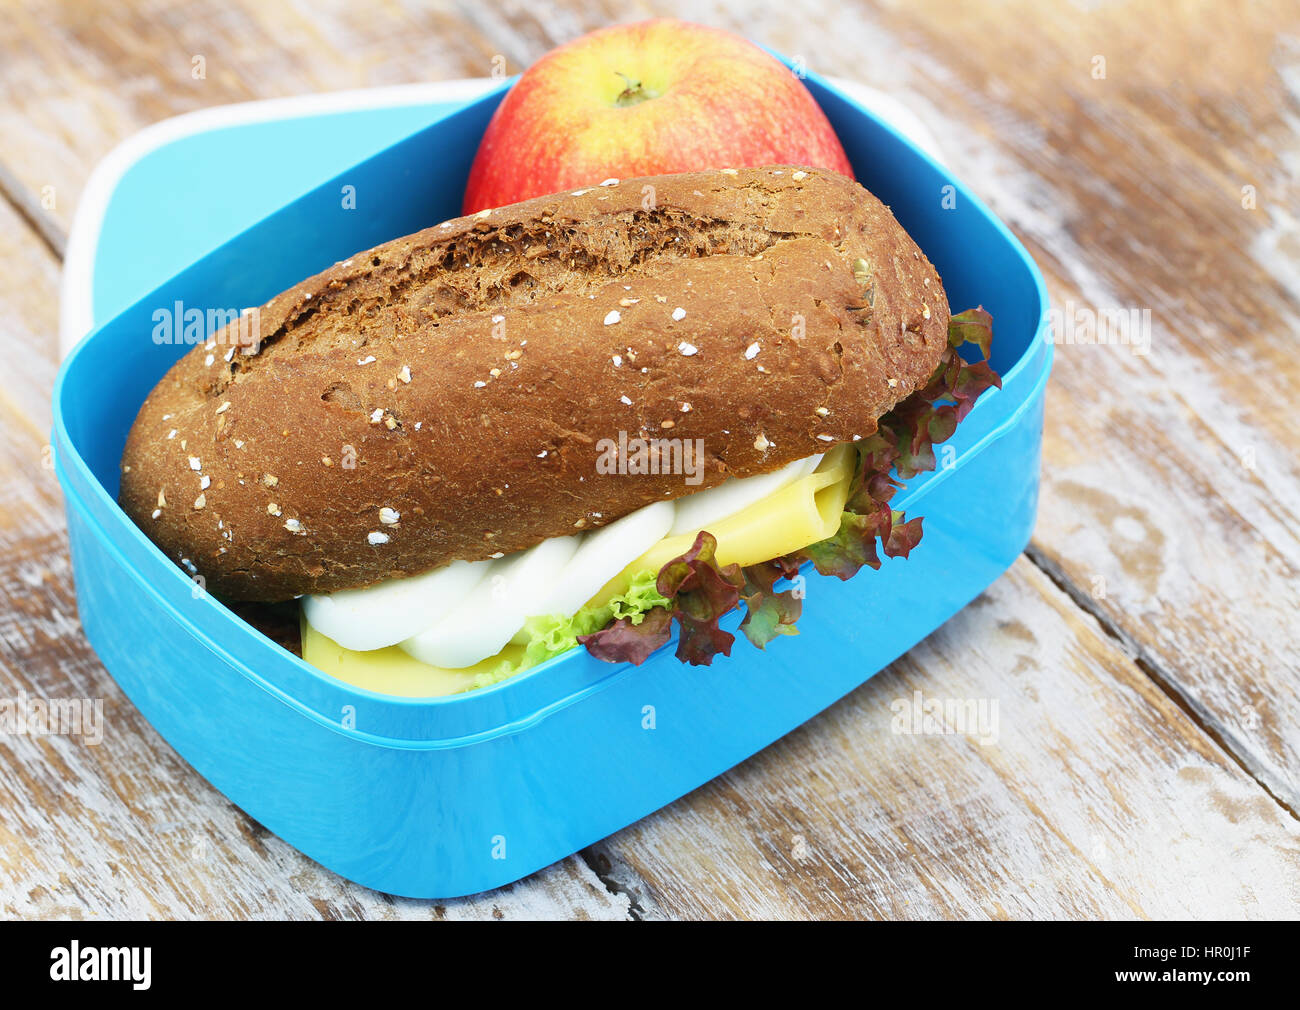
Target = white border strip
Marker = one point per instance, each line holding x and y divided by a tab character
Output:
76	291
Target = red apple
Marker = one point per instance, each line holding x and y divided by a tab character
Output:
645	99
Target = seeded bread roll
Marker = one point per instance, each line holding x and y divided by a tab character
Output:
447	395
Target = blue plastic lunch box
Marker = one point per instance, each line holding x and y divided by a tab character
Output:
448	796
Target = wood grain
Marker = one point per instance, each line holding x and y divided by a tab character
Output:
1144	657
78	77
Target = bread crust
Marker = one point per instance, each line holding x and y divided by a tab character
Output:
445	395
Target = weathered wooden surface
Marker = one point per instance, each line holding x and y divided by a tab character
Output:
78	77
1144	655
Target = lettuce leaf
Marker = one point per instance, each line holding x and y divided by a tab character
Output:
626	641
769	613
697	594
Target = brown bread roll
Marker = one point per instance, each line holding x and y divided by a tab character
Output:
449	395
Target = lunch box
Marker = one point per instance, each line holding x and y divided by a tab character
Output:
440	797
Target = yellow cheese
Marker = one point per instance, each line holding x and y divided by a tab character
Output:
797	515
392	671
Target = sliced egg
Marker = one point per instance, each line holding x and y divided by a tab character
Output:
382	615
602	554
696	511
485	620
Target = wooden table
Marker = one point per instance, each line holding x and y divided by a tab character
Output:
1143	650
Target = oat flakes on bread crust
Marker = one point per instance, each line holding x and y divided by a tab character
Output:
468	371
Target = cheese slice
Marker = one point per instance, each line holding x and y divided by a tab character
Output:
799	514
393	671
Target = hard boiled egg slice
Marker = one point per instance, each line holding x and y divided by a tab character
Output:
485	620
385	614
602	554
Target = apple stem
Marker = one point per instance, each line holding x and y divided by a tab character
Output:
633	93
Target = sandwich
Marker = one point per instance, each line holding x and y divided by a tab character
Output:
588	420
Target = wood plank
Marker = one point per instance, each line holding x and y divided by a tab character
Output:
126	828
1097	797
79	78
